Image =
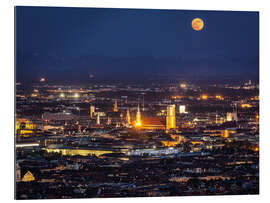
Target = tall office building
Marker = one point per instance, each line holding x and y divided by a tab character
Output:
170	118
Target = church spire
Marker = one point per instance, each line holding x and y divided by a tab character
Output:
138	122
115	108
128	117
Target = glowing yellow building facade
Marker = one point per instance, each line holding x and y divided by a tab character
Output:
27	129
170	118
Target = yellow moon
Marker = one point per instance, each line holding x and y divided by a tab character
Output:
197	24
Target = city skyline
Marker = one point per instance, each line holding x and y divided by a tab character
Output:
136	103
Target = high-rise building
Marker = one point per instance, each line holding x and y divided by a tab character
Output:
115	108
170	119
92	111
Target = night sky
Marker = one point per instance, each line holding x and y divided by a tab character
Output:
68	44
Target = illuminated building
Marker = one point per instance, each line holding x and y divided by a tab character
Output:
25	123
170	118
227	132
28	177
109	121
62	95
24	128
257	118
152	123
34	95
204	96
219	119
219	97
246	106
128	117
81	152
231	116
138	122
177	139
92	111
182	109
166	143
115	108
76	95
183	85
98	119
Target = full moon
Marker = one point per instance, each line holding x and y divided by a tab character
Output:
197	24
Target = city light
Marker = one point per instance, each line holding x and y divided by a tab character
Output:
34	95
76	95
183	85
219	97
246	105
204	96
182	109
138	124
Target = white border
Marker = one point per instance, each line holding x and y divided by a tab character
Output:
7	83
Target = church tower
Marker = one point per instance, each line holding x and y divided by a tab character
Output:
128	117
115	108
138	122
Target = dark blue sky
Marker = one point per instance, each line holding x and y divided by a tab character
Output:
71	43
